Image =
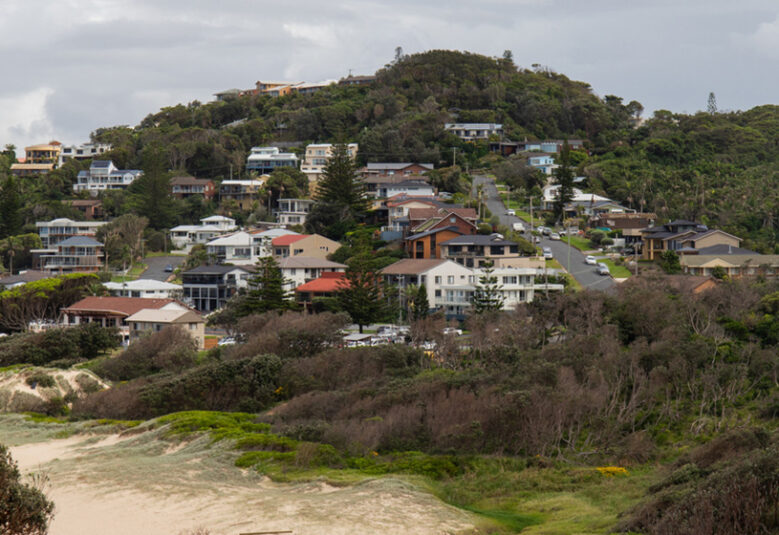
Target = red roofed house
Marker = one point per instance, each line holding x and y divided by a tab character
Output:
312	245
112	311
325	286
424	219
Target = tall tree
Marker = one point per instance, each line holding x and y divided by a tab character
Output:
11	219
564	178
267	291
417	302
340	196
364	294
487	297
150	195
711	104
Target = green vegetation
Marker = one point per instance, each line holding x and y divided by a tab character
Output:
24	509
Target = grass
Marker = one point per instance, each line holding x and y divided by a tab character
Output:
583	244
618	272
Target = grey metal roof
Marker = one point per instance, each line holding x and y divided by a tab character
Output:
430	232
722	249
397	166
79	241
478	239
101	163
214	269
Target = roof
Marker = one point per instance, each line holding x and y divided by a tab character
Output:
141	285
84	202
214	269
30	275
723	249
396	166
33	166
427	213
218	218
734	260
478	239
101	163
705	233
474	126
308	262
288	239
410	266
122	306
682	222
431	232
188	181
237	238
272	233
329	282
409	183
152	315
79	241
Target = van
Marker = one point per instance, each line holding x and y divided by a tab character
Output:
518	227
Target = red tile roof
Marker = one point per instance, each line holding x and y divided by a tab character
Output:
288	239
121	306
329	282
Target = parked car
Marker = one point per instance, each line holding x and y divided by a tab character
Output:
554	236
536	239
169	268
590	260
226	341
452	330
518	227
510	212
603	269
547	231
547	253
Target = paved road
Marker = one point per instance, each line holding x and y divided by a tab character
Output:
156	269
584	274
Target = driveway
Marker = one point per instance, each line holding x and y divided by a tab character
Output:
569	257
156	269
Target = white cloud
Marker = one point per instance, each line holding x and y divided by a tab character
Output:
24	120
765	39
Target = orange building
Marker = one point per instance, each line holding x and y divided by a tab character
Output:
428	244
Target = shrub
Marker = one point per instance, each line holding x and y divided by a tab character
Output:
41	379
67	345
24	509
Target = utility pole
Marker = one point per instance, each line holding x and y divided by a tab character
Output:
454	156
531	217
568	233
231	171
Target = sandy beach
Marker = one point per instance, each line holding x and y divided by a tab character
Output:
137	484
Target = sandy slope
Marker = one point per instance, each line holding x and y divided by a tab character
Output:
137	484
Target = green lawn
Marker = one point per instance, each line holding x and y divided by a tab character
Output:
583	244
132	274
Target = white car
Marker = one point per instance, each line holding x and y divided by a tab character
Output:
452	330
547	253
603	269
590	260
510	212
518	227
554	236
226	341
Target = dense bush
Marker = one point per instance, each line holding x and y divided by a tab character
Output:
64	346
24	509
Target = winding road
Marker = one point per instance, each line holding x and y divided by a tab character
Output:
569	257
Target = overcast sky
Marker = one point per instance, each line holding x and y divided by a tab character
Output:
71	66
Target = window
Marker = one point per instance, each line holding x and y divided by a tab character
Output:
438	279
450	279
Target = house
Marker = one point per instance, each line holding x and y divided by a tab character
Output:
384	169
690	284
293	211
244	193
543	162
629	224
262	240
312	245
145	288
357	80
182	187
78	254
155	319
263	160
103	175
684	237
58	230
275	88
316	158
228	95
398	208
474	131
550	194
734	266
553	145
235	248
86	151
327	285
22	278
436	274
423	219
298	270
185	236
428	244
90	208
412	188
476	249
113	311
38	160
376	185
208	288
308	88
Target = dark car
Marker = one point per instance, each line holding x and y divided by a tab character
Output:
169	268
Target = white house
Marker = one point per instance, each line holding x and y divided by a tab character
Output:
543	162
82	152
293	211
435	274
262	241
412	188
265	159
299	270
235	248
316	158
185	236
473	131
550	197
147	288
103	175
60	229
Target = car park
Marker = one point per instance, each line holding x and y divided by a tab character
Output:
590	260
603	269
547	253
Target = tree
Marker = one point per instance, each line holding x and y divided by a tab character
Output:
418	304
24	509
669	262
150	193
286	182
123	239
363	294
340	196
267	291
711	104
487	297
11	220
563	178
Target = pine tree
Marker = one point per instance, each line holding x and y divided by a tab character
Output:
267	291
563	178
488	296
10	208
340	196
363	295
150	193
418	304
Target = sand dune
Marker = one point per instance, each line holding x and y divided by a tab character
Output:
137	484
